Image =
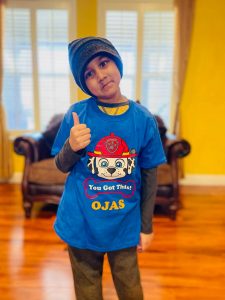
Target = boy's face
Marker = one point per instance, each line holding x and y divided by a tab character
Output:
102	78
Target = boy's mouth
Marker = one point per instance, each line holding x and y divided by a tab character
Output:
107	84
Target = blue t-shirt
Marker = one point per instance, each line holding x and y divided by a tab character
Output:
100	205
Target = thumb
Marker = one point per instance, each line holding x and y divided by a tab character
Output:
75	119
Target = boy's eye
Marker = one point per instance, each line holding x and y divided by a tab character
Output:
119	163
88	74
104	63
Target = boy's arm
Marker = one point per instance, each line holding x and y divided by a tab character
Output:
148	194
66	158
74	147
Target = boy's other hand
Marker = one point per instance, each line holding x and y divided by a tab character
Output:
145	241
80	134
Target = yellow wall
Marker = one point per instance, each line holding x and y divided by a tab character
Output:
86	18
203	101
86	24
18	163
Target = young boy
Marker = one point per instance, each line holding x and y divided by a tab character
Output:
111	147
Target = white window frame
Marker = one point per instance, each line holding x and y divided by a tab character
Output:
139	6
70	6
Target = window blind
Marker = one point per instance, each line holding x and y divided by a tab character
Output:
121	30
36	70
148	75
157	64
17	66
53	68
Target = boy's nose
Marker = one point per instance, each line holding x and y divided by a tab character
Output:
100	75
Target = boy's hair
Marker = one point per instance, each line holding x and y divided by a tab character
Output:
82	51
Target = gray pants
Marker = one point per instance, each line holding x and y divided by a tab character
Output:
87	267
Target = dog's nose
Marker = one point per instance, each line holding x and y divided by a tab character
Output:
111	170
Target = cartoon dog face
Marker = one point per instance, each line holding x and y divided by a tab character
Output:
111	168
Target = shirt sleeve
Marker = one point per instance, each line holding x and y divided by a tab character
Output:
152	152
67	158
148	194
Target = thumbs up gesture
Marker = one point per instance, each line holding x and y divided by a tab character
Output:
80	135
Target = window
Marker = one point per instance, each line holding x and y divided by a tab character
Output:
121	30
157	64
36	79
144	35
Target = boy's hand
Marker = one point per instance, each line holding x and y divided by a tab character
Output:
80	136
145	241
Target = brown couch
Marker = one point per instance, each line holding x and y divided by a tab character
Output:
43	182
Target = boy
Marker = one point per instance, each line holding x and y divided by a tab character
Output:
111	147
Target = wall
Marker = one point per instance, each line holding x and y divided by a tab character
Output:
203	101
86	24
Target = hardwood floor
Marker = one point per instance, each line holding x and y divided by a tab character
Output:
185	262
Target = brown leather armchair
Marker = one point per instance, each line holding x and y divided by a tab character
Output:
168	174
43	182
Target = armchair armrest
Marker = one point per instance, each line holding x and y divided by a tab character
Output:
31	146
177	149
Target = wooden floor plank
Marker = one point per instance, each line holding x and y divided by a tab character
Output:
185	262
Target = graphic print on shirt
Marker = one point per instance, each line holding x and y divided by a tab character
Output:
111	158
110	161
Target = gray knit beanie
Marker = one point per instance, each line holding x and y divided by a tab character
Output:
82	51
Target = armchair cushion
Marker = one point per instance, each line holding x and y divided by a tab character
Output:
45	172
164	176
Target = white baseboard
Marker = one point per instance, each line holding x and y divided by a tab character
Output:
203	179
16	178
